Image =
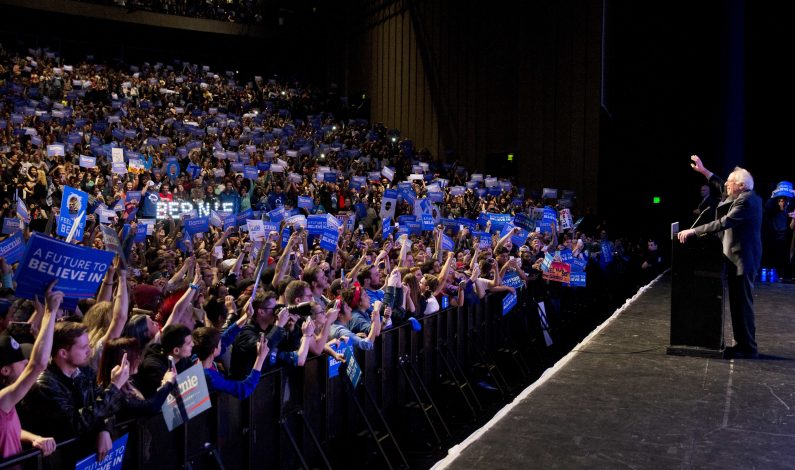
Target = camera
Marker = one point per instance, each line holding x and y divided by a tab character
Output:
304	309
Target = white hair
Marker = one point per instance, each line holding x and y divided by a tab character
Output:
741	175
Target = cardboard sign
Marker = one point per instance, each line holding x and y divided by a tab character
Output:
353	369
508	303
11	225
188	400
79	269
558	272
74	205
12	248
329	239
112	461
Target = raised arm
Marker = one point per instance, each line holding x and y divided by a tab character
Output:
40	355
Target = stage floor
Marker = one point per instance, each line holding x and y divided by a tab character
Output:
621	402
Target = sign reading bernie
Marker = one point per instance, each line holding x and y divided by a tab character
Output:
175	209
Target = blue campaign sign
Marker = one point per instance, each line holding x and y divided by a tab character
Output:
484	240
241	217
74	205
316	224
197	225
386	227
577	279
12	248
112	461
414	228
333	364
79	269
447	243
88	162
524	221
250	172
549	221
11	225
512	279
230	221
508	303
193	170
566	256
133	196
427	222
353	369
329	239
119	168
306	202
277	215
578	265
140	233
330	177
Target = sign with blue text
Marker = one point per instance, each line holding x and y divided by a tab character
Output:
113	459
12	248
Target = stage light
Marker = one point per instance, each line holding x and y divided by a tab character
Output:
510	157
656	199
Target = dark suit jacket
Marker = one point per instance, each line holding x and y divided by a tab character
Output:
740	229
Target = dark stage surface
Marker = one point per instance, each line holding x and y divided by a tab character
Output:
621	402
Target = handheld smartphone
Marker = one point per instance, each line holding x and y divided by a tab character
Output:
171	361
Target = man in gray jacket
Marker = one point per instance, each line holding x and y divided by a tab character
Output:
739	223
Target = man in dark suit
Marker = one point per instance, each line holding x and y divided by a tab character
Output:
739	223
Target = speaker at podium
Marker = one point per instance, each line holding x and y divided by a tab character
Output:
698	296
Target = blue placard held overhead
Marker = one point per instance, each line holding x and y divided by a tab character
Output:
79	269
74	206
197	225
11	225
12	248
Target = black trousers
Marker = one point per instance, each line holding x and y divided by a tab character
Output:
741	304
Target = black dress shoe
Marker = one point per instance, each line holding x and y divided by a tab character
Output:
734	352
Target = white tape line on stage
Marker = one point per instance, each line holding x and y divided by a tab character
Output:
454	451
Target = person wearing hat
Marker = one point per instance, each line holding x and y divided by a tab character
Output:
740	230
17	376
777	229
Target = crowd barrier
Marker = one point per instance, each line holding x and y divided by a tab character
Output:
413	383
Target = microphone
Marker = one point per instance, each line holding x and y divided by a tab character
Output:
708	208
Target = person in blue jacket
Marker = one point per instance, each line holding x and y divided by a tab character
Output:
207	346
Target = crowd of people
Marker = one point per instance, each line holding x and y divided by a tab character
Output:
322	232
233	11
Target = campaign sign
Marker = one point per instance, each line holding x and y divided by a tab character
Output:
328	239
197	225
306	202
447	243
512	279
297	219
549	221
11	225
387	227
427	222
241	218
188	400
111	239
353	369
55	150
524	221
250	172
578	265
484	240
230	221
508	303
79	269
141	231
577	279
277	215
12	248
119	168
333	364
256	230
113	459
566	220
74	204
88	162
559	272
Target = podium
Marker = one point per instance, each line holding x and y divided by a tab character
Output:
698	297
